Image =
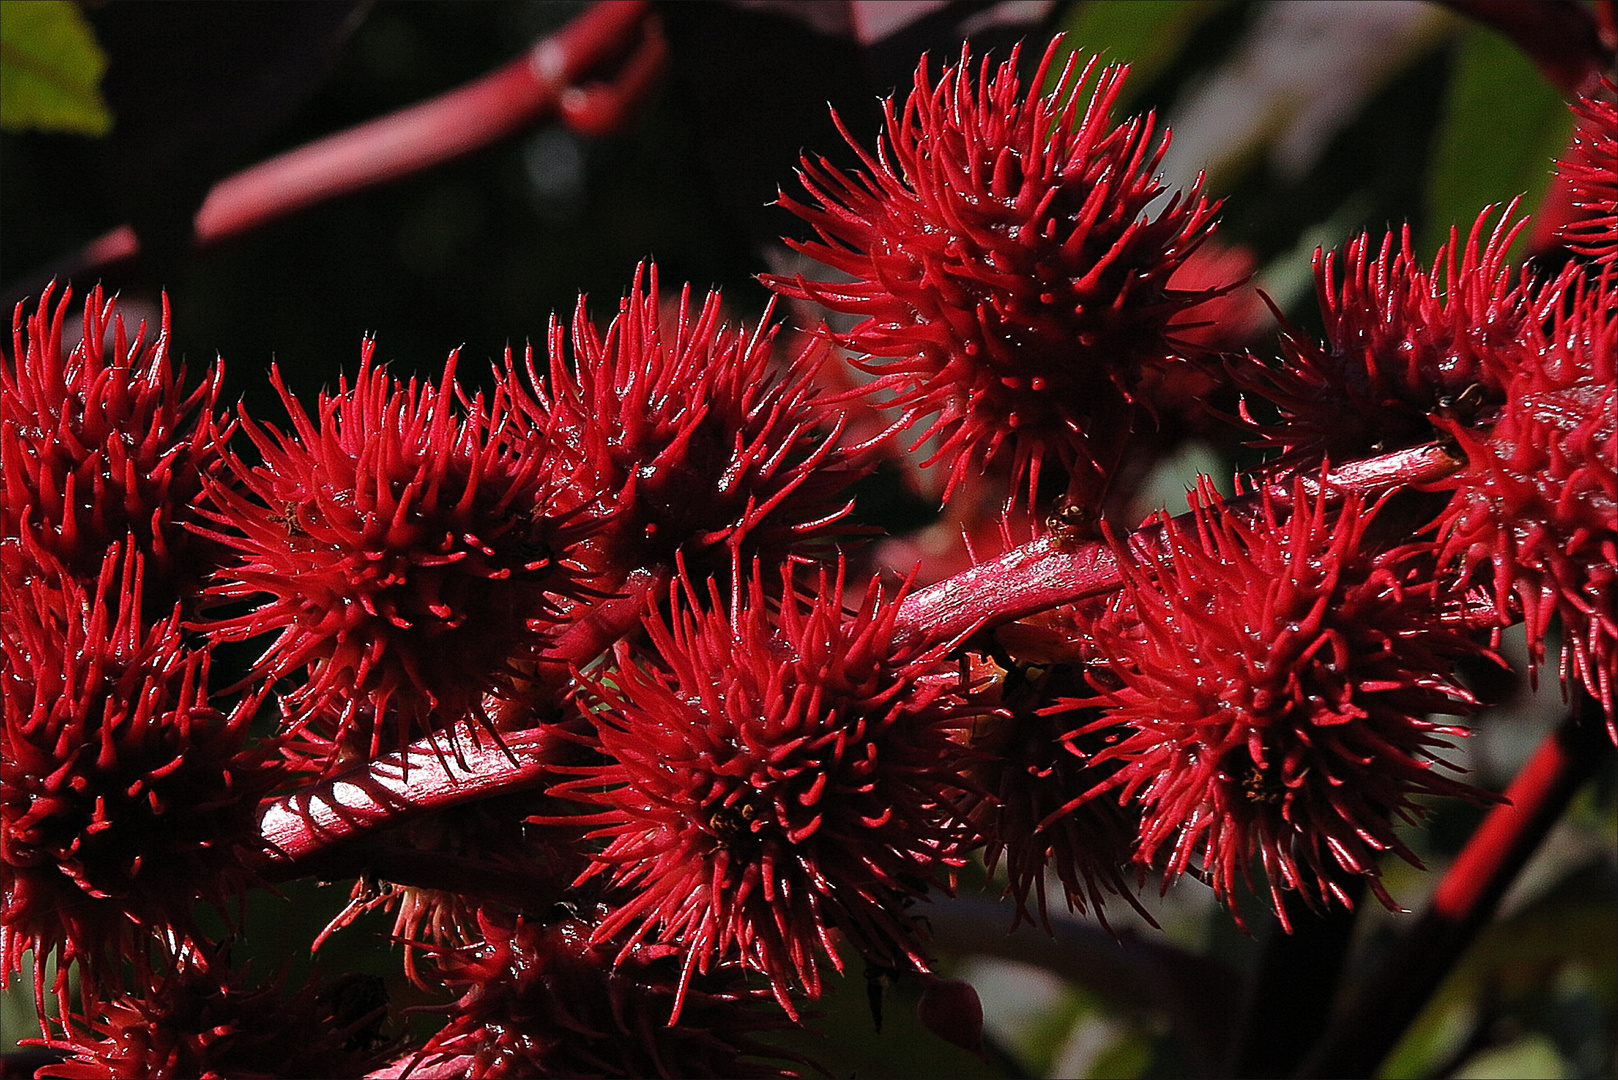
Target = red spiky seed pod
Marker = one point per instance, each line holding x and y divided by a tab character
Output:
402	546
1011	258
1592	171
1535	512
127	796
1274	695
100	441
479	855
1403	344
773	779
680	431
550	1000
1037	821
201	1020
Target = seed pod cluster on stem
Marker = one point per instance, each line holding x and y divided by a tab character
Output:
591	678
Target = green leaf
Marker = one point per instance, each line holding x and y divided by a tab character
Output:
50	69
1145	34
1503	128
1531	1058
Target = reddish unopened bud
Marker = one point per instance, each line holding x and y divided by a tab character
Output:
950	1009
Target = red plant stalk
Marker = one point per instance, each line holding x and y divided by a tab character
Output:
443	771
432	774
1056	570
1032	578
1466	899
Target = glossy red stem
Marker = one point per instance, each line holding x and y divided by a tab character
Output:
1025	581
1056	570
431	775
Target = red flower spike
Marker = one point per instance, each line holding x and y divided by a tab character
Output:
1536	506
100	442
198	1021
406	553
1275	692
126	796
1592	172
542	1001
1402	344
776	780
690	441
1010	266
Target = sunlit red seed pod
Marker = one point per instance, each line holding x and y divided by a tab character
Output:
402	547
680	432
774	778
1534	517
127	796
99	441
1274	698
1592	172
1010	255
1404	344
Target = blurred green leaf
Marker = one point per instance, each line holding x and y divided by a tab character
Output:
50	69
1532	1058
1503	128
1145	34
1129	1056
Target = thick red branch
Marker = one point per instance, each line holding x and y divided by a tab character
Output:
1056	570
432	775
1022	582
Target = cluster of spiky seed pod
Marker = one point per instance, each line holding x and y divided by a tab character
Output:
755	765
